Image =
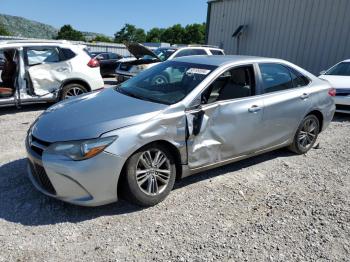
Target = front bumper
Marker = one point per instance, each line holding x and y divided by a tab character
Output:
342	104
91	182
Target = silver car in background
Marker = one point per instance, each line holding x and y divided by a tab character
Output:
215	110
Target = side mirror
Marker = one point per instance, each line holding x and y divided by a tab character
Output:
322	72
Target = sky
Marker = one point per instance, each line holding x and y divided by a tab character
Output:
108	16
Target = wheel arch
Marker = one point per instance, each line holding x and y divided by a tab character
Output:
319	116
75	81
173	149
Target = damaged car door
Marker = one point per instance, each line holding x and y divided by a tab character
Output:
45	70
225	124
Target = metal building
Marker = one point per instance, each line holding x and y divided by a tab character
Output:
313	34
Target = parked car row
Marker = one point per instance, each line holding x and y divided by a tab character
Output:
193	109
108	62
146	58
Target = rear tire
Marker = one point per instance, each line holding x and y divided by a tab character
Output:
306	135
150	175
72	90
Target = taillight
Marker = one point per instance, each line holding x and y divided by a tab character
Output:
93	63
332	92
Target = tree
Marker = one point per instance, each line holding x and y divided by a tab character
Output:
173	35
130	33
3	30
194	34
102	38
155	35
67	32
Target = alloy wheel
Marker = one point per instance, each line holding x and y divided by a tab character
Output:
74	91
153	172
160	80
308	133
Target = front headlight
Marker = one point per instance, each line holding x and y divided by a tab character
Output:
81	150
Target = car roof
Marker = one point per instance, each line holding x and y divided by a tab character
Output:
219	60
25	43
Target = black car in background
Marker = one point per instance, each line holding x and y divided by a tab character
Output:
108	62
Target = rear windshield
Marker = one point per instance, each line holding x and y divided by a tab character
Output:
166	83
342	69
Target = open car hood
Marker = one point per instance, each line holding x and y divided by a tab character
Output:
140	51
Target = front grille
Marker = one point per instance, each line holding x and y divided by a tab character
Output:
41	178
38	146
343	107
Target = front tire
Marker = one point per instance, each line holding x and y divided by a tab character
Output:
150	175
160	80
72	90
306	135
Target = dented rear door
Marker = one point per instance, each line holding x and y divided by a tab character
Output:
46	69
223	130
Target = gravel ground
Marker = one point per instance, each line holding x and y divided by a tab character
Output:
275	207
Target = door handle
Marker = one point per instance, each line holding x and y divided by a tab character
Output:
254	109
304	96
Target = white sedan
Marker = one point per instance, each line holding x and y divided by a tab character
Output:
339	77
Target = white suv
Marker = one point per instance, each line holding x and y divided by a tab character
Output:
146	58
46	71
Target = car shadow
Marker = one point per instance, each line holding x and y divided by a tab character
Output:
21	203
24	108
234	167
341	117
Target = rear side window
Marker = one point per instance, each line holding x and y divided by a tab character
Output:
275	77
104	56
114	56
299	80
39	55
189	52
216	52
66	54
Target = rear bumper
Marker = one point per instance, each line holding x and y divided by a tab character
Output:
328	116
342	104
91	182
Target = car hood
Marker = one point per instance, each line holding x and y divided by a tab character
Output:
140	51
337	82
90	116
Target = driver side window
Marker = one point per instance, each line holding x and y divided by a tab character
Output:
238	82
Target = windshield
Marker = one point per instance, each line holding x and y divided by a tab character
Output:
342	69
164	53
166	83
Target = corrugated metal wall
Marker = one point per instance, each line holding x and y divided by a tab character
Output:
314	34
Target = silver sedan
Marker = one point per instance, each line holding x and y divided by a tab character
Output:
136	139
